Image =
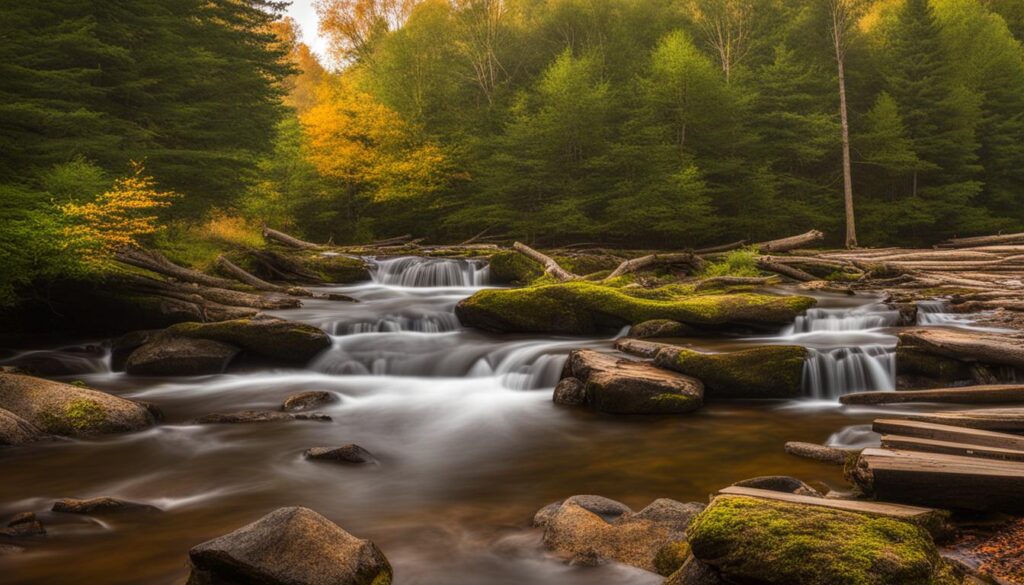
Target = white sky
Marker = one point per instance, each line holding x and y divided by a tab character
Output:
304	14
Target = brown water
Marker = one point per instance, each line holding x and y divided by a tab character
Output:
470	446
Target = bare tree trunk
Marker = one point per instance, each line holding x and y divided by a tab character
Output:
550	266
840	19
291	242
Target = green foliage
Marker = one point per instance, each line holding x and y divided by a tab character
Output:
742	262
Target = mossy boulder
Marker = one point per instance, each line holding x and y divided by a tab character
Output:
67	410
337	268
770	371
514	268
660	328
180	356
585	308
619	386
269	337
780	543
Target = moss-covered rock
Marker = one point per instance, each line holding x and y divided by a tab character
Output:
780	543
661	328
514	268
67	410
618	386
270	337
336	268
770	371
583	308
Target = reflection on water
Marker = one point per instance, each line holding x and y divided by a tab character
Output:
469	442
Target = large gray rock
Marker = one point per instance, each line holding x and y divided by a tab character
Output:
15	430
180	356
63	409
620	386
585	537
604	507
290	546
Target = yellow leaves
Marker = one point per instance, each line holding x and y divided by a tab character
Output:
369	147
118	217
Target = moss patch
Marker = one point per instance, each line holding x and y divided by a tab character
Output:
771	371
81	416
671	557
335	268
583	307
780	543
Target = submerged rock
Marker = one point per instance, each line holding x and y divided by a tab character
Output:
351	454
780	543
771	371
584	308
63	409
179	356
100	505
268	337
621	386
604	507
290	546
24	525
582	536
307	401
15	430
257	416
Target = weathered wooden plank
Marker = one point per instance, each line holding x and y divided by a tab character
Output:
989	419
950	448
940	480
989	394
861	506
968	346
940	432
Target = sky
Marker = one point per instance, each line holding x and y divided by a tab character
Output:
304	14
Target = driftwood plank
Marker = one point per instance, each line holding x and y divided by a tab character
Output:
990	394
950	448
902	511
955	434
988	419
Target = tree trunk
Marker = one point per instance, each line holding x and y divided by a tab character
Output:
254	281
992	394
765	263
790	243
156	262
851	227
289	241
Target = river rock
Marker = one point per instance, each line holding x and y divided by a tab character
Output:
100	505
661	328
307	401
817	452
570	392
15	430
585	308
264	336
258	416
695	572
351	454
180	356
23	525
752	540
63	409
604	507
290	546
122	347
780	483
620	386
771	371
584	537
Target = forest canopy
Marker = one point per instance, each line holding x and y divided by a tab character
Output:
659	123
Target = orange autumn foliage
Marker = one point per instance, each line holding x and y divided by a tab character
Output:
118	217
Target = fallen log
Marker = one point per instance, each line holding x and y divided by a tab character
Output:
978	306
983	241
766	263
966	346
940	480
390	241
156	262
950	433
256	282
628	266
830	455
990	419
720	281
290	241
477	237
221	296
950	448
283	268
790	243
550	266
722	248
992	394
183	299
925	517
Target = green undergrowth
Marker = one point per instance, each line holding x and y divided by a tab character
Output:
742	262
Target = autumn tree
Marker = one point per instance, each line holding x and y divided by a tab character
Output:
354	26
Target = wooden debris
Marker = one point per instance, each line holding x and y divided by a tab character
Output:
983	241
722	248
993	394
949	433
966	346
916	514
156	262
290	241
256	282
685	258
991	419
936	479
790	243
950	448
550	266
766	263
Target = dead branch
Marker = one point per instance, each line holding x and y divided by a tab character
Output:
690	259
721	248
767	263
550	266
290	241
790	243
256	282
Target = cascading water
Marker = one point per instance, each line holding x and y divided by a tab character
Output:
413	271
873	316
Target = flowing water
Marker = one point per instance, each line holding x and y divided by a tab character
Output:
469	442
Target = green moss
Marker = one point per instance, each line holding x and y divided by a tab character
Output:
335	268
75	417
742	262
771	371
382	578
513	268
670	558
781	543
583	307
275	338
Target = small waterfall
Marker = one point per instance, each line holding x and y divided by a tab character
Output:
936	312
830	373
416	271
835	320
429	323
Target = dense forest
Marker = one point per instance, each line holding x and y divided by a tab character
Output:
668	123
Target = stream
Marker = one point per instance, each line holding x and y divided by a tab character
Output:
469	442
